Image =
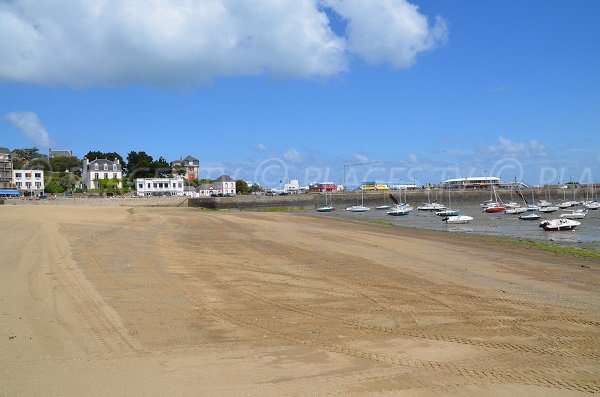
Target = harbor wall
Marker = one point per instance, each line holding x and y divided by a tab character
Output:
373	199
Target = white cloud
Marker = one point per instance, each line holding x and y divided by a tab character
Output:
183	42
261	147
506	147
292	155
388	31
29	124
412	158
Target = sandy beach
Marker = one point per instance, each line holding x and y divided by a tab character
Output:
100	301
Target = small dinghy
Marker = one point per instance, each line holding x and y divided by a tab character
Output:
559	224
530	217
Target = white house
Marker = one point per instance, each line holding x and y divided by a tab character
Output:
222	186
28	182
93	171
159	186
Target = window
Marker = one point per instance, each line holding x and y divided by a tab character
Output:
115	175
38	184
38	174
149	186
28	184
179	184
96	167
19	184
105	167
106	175
140	185
18	175
96	176
28	175
114	167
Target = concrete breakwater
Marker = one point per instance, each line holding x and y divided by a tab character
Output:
345	199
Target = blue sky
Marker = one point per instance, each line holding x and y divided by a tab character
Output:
455	88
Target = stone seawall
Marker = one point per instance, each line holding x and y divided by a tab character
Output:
373	199
107	202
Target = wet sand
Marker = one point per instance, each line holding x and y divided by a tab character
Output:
177	301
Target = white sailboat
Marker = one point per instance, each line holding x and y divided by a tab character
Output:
429	206
449	211
401	208
361	207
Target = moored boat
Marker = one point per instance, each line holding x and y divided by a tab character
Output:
577	214
458	219
530	217
559	224
358	208
515	210
399	210
548	209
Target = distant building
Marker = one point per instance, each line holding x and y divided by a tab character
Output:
476	182
59	153
292	186
222	186
374	186
403	186
159	186
29	182
190	165
6	168
322	187
191	191
93	171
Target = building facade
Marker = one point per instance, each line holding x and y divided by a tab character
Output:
59	153
6	168
476	182
224	185
190	166
29	182
94	171
159	186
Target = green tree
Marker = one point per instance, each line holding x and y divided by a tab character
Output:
255	188
241	187
139	165
161	168
65	163
95	154
67	181
52	185
29	158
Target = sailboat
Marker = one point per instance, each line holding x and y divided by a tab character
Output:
429	206
517	209
497	205
400	209
448	212
591	204
327	208
385	205
361	207
575	214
